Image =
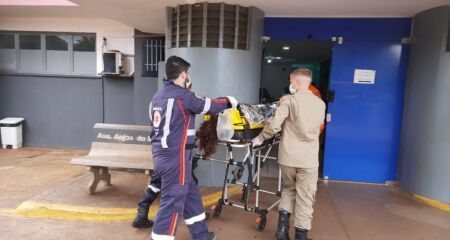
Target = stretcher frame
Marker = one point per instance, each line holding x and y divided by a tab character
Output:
253	161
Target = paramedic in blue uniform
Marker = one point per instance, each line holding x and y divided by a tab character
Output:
150	194
172	112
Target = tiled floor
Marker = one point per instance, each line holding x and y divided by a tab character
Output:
344	211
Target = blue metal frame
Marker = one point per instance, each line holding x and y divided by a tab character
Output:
352	29
363	135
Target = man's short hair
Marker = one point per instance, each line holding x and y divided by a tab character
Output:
302	72
175	66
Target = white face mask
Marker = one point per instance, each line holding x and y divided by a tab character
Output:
292	89
188	82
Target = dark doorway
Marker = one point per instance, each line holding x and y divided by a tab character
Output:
280	58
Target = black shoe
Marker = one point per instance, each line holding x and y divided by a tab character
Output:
141	220
211	236
301	234
283	226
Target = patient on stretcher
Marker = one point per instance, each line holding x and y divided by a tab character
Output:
238	125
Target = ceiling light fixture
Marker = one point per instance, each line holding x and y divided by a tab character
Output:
286	48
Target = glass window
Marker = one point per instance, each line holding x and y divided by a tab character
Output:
30	41
84	43
7	41
63	53
57	42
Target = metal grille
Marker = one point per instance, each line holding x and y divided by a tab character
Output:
212	25
153	53
448	37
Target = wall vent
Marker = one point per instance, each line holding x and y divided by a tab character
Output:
211	25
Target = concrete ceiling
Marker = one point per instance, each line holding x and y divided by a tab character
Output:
46	11
149	15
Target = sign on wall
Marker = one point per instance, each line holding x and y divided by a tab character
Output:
364	76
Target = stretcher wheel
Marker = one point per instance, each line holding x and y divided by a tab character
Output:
261	223
243	194
217	210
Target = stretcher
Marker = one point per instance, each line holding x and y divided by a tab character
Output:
244	130
253	161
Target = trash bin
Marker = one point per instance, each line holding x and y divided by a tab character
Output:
11	131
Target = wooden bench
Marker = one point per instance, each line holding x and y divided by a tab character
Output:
117	146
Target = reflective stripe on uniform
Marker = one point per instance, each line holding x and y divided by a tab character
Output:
195	219
191	132
150	115
166	129
162	237
154	189
207	106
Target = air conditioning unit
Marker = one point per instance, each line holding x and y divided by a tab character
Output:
112	63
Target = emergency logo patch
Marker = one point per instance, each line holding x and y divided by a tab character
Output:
156	119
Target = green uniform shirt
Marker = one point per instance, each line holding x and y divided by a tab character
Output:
298	117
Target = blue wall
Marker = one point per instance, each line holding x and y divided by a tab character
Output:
353	29
363	135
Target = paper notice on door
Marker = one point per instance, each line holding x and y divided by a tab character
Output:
364	76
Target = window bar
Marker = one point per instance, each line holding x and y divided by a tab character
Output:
249	27
178	27
169	11
221	26
71	54
161	52
151	54
146	52
44	53
189	25
205	19
17	51
156	55
236	28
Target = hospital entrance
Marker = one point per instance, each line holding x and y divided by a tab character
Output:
78	80
280	58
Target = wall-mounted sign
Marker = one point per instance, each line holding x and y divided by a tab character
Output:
122	136
364	76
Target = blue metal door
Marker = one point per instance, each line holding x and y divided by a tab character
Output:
363	133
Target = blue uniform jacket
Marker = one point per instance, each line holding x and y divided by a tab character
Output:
172	113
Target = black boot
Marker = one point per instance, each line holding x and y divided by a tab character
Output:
211	236
141	220
301	234
283	226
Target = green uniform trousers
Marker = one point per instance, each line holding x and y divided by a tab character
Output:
298	196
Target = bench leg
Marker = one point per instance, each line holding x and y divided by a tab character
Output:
99	174
105	176
95	179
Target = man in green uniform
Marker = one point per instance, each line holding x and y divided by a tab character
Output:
298	117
